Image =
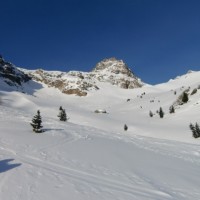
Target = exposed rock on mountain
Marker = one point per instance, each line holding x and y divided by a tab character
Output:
117	73
110	70
78	83
11	75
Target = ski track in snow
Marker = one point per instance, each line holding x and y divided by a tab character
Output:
81	176
47	171
96	183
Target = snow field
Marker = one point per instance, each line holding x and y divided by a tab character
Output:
91	157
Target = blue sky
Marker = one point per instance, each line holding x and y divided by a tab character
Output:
158	39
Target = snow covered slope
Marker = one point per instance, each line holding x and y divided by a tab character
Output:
91	157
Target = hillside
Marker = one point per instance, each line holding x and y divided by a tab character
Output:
90	156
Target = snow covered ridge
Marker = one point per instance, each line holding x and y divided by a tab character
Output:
79	83
11	75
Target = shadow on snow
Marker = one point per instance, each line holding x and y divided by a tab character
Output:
5	165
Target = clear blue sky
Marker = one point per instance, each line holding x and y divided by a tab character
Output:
158	39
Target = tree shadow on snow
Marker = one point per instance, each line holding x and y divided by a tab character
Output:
5	165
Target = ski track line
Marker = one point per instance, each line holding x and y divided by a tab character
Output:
59	143
184	152
88	178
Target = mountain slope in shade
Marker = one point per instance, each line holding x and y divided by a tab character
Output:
10	75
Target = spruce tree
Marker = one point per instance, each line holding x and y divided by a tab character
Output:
161	113
125	127
37	123
185	97
150	113
62	114
195	130
171	109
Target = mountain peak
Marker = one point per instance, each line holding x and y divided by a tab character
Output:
114	66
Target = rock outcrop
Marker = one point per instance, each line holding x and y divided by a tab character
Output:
117	73
11	75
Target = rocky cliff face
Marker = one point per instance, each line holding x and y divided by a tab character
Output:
11	75
73	82
112	71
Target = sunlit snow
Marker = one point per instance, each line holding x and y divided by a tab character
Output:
91	157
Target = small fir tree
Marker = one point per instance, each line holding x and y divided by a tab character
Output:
161	113
37	123
194	91
195	130
185	97
125	127
171	109
62	114
150	113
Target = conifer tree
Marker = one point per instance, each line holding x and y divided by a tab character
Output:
150	113
195	130
62	114
161	113
171	109
185	97
37	123
125	127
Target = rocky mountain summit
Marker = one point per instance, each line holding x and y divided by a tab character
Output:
117	73
11	75
112	71
79	83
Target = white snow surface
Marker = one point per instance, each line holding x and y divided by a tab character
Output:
91	157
